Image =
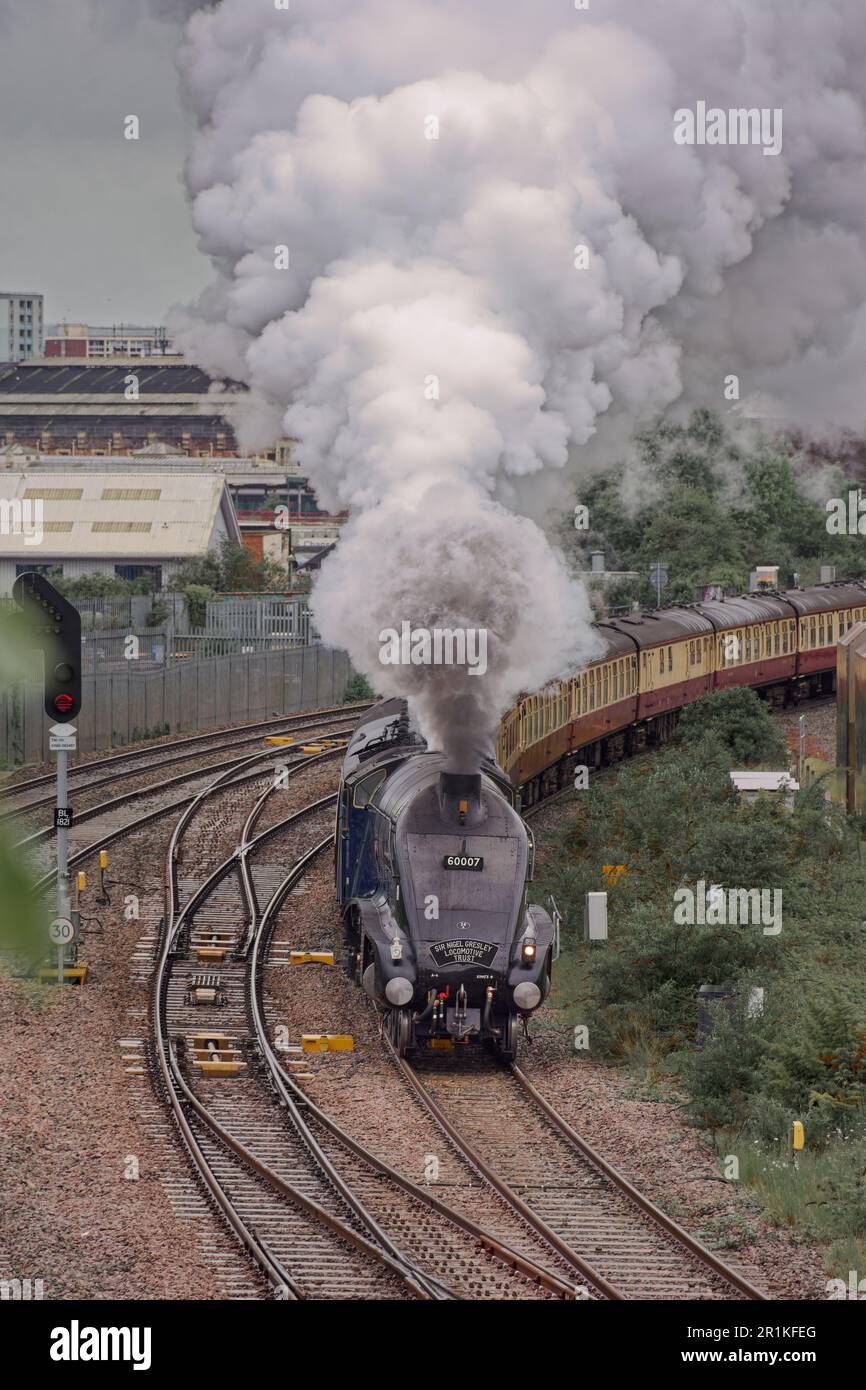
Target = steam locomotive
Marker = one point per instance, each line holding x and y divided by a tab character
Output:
432	873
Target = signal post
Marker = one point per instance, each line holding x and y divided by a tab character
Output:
49	622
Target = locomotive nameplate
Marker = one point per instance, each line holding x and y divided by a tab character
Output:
462	952
463	861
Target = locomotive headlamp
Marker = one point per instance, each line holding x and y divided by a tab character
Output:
527	950
527	995
399	991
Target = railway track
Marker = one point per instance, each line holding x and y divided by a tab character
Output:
155	780
169	750
305	1238
587	1223
274	1137
117	827
583	1207
322	1214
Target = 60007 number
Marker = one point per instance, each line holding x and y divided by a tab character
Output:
463	861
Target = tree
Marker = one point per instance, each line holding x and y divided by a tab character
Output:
739	722
229	568
712	508
358	688
195	600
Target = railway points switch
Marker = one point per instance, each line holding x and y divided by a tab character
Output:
215	1054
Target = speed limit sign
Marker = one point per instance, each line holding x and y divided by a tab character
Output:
61	931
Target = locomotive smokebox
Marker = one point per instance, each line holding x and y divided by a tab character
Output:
460	796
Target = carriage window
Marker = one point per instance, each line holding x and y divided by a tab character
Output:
661	661
776	639
670	658
757	643
829	627
821	642
812	627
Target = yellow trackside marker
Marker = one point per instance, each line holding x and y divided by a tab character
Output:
312	748
311	957
103	859
443	1044
82	880
614	871
327	1042
798	1136
279	740
72	973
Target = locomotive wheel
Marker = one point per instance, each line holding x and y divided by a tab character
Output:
506	1047
401	1031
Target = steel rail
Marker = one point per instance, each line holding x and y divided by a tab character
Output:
621	1182
14	788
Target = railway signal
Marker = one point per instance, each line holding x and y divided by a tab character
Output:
49	621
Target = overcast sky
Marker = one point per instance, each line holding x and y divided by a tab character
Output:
97	223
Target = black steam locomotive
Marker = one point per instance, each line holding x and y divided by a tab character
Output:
432	869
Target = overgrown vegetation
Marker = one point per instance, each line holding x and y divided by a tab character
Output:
230	568
674	820
711	507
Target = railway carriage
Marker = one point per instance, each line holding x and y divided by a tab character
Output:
781	644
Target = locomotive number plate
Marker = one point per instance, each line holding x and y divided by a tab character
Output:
463	861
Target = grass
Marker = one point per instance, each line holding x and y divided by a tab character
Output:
811	1195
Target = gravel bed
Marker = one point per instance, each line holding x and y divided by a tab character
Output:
73	1220
672	1163
70	1216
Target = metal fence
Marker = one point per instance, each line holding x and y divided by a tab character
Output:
128	704
152	647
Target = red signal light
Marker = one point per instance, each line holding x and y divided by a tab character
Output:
64	703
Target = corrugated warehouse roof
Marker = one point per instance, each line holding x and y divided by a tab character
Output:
88	515
94	379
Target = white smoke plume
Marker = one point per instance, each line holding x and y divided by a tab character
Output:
439	347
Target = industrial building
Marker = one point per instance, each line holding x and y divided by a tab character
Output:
104	522
276	509
63	407
21	326
85	342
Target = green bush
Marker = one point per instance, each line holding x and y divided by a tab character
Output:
740	723
358	688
